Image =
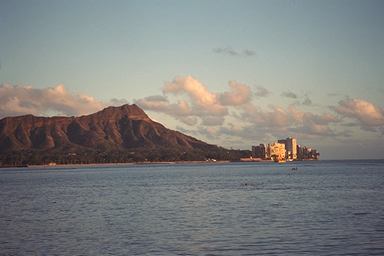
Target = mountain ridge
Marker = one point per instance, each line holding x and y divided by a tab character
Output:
125	131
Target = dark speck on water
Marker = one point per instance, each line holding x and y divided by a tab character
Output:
320	208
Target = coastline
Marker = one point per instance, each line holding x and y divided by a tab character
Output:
108	165
116	164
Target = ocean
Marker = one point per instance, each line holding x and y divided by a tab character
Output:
298	208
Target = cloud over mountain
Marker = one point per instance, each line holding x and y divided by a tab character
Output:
19	100
189	100
235	114
201	98
180	110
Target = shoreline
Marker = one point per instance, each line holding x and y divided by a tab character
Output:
69	166
35	166
85	165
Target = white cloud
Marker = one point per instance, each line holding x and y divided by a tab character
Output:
20	100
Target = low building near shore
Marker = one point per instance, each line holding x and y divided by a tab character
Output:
276	151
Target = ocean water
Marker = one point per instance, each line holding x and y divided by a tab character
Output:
322	208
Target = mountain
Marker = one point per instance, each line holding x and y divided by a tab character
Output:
115	134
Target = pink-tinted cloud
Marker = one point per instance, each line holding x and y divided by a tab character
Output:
189	100
212	120
180	110
368	115
278	120
238	94
201	98
20	100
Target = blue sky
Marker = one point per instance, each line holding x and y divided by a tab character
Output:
234	73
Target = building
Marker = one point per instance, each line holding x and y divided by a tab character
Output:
276	151
283	141
300	152
259	151
290	147
306	153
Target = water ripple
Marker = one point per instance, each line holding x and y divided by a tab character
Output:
326	208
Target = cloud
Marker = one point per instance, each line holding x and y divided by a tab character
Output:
316	125
199	104
212	120
239	94
190	101
157	102
250	124
262	92
231	115
227	51
278	121
289	94
227	116
201	98
333	94
118	102
307	101
368	115
232	52
247	52
20	100
180	110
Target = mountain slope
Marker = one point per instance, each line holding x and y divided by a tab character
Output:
125	131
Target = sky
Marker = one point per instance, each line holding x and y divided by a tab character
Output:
231	73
